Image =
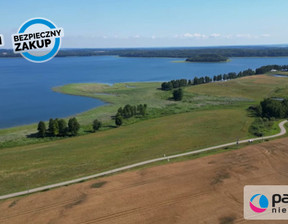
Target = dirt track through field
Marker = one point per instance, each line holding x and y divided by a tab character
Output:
105	173
205	190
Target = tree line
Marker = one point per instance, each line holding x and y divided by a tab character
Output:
272	108
173	84
266	112
268	68
190	52
177	84
129	111
207	58
60	128
180	52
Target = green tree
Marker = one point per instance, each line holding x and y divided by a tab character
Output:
142	109
56	127
118	121
178	94
196	81
96	125
273	108
50	126
219	77
73	126
41	129
134	110
166	86
63	129
53	128
128	111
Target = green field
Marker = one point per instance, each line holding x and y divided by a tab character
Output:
52	162
139	93
210	114
253	87
117	96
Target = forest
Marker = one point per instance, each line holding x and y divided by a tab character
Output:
207	58
179	52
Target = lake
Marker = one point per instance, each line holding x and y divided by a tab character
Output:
25	87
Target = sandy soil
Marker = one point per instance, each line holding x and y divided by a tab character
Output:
205	190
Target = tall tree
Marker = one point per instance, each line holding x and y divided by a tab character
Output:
63	129
219	77
142	109
41	129
73	126
118	121
96	125
178	94
53	128
196	81
56	127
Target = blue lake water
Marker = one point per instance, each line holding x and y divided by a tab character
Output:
25	87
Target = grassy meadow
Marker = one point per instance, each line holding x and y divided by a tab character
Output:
251	87
210	114
51	162
117	96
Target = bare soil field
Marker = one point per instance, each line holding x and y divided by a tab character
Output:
204	190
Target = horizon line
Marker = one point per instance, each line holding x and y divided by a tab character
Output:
212	46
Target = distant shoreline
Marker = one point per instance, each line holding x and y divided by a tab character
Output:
178	52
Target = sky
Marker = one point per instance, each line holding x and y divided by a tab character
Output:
154	23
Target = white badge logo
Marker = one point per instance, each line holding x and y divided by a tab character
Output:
38	40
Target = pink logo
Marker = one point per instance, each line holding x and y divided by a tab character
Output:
259	203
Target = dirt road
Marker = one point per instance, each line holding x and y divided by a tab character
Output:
48	187
204	190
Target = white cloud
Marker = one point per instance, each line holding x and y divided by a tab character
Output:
200	36
215	35
219	36
190	37
195	35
